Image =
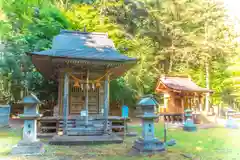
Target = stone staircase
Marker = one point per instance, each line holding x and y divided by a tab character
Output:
77	127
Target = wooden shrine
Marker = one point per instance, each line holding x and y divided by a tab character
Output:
180	93
83	64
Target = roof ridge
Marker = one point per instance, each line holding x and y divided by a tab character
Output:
177	76
81	32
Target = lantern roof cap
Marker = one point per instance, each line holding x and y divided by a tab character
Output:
31	99
148	100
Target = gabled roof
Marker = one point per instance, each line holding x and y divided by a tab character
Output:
84	45
180	84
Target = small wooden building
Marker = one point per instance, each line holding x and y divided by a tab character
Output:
83	64
180	93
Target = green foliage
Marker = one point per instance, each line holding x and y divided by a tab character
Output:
168	37
32	25
177	37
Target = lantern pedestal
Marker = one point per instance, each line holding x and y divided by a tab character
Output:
231	123
189	124
148	146
28	148
29	145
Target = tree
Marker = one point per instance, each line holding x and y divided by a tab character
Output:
179	41
31	27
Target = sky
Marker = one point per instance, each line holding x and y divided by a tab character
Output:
233	7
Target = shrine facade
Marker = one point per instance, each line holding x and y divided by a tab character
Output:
83	64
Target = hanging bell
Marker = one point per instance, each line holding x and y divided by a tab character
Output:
98	84
76	84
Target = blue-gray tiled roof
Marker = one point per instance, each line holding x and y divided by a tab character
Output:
83	45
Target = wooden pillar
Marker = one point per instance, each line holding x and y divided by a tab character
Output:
106	100
86	97
182	106
200	103
60	94
65	101
196	103
101	99
166	102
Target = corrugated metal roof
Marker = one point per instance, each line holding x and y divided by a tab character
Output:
84	45
182	84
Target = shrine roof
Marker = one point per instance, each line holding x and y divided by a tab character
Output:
181	84
84	45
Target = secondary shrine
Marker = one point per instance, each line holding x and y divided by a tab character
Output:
83	64
180	93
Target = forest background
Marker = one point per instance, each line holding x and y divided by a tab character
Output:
171	37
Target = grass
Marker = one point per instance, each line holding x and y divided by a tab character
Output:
207	144
8	138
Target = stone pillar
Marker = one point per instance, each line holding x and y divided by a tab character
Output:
106	100
65	101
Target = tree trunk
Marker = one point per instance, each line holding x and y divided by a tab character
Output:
207	86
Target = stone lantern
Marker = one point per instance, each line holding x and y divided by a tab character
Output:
231	122
29	145
148	143
189	124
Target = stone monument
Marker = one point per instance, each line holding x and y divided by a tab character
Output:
148	143
189	124
29	145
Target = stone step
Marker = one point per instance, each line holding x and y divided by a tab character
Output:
84	140
48	127
79	126
72	133
45	135
85	131
118	127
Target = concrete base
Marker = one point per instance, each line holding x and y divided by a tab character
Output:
83	140
28	148
150	146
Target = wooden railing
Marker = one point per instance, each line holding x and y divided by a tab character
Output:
172	117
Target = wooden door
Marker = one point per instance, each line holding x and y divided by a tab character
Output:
77	99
